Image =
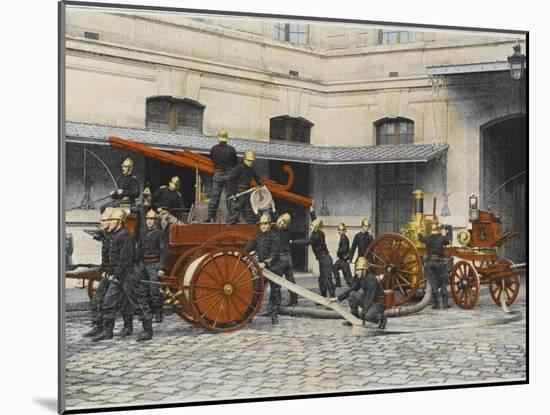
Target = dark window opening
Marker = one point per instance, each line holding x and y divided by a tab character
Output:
295	130
291	32
395	131
171	114
394	186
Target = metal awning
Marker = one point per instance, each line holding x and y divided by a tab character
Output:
300	153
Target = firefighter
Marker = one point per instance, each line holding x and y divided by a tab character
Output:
224	157
372	299
122	294
266	246
342	264
237	182
153	256
319	247
127	186
97	300
168	198
436	265
284	264
361	241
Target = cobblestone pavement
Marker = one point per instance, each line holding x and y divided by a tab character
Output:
299	356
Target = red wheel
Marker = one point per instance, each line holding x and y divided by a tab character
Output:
507	286
465	285
397	258
226	289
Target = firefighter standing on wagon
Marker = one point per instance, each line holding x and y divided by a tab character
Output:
436	265
168	202
372	299
238	182
152	254
127	186
224	157
319	247
123	293
341	263
99	294
266	246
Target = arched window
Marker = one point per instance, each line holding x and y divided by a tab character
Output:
394	131
172	114
285	128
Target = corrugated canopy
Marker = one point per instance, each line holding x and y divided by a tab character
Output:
301	153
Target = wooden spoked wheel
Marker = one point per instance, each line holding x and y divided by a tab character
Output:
396	257
181	306
465	285
507	285
225	289
92	276
227	239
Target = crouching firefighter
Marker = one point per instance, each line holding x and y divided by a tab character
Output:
123	292
153	255
372	299
266	245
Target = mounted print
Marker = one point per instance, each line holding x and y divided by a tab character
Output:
259	206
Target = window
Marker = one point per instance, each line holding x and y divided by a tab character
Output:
291	32
394	186
389	37
291	129
395	131
167	113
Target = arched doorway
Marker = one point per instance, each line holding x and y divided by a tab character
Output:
504	177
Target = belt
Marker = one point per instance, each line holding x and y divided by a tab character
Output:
148	261
436	258
284	252
222	169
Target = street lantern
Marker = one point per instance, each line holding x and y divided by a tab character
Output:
517	63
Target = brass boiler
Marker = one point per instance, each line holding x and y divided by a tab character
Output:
420	222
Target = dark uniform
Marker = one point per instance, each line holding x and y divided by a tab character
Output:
266	245
319	247
153	257
123	293
361	242
168	199
130	189
372	298
342	263
284	264
237	182
436	267
99	294
224	157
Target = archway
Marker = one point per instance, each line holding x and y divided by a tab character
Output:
503	178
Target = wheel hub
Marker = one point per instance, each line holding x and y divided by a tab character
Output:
390	269
228	289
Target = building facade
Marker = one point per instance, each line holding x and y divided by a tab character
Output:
363	114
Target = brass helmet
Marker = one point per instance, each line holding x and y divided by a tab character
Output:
365	222
106	214
342	227
249	155
265	219
128	163
147	192
317	224
174	183
222	136
118	214
361	263
151	214
284	220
